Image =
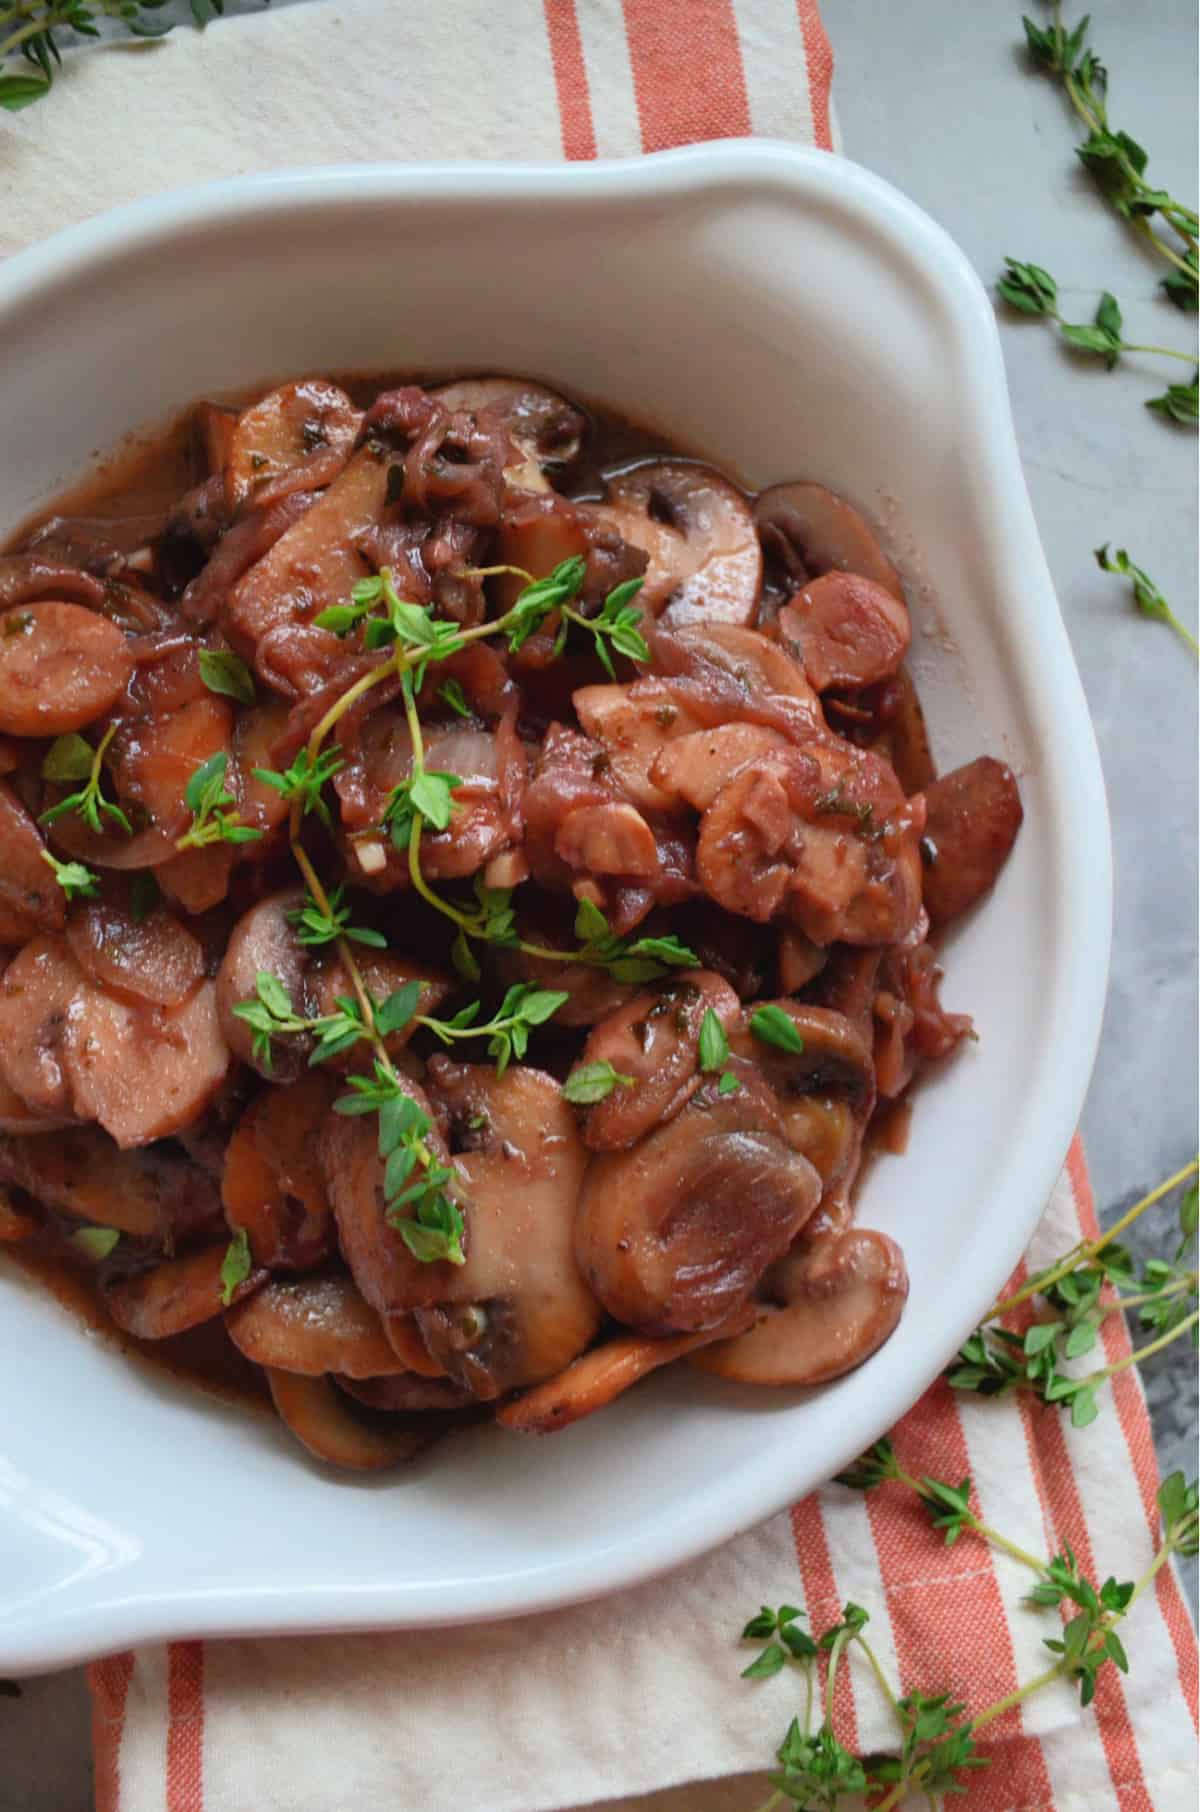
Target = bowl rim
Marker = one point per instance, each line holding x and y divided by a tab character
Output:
863	202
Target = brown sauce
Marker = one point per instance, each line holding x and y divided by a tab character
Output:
204	1358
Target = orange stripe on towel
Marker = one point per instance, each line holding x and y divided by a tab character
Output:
687	71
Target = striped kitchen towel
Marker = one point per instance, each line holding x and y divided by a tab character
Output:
638	1695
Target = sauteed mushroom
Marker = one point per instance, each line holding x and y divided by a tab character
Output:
705	560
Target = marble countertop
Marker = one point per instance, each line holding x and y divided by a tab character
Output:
939	99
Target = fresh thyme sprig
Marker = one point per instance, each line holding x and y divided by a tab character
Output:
417	1199
1114	159
73	758
935	1739
207	800
1097	1278
1146	595
316	925
305	780
76	881
1031	290
31	29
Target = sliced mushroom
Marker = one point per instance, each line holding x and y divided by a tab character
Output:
315	563
749	663
297	438
674	1234
599	1377
841	1300
174	1296
272	1184
972	819
404	1338
609	839
518	1311
384	973
324	1421
27	885
153	959
545	429
747	846
846	630
634	725
695	768
823	836
152	1195
61	666
407	1393
808	531
905	739
705	558
654	1039
825	1092
36	574
37	991
143	1073
312	1325
263	942
387	1274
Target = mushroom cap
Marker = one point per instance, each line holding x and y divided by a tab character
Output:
697	528
810	531
519	1310
312	1325
674	1233
654	1039
842	1298
341	1433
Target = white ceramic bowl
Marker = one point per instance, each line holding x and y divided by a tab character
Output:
793	316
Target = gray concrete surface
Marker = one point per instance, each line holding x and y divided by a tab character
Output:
937	97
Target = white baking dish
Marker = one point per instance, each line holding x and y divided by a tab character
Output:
793	316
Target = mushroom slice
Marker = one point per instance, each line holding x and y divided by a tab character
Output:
298	438
27	885
758	667
842	1298
654	1039
175	1296
322	1419
599	1377
809	531
545	429
272	1184
633	725
972	819
153	959
61	666
407	1393
825	1093
608	839
518	1311
263	942
37	991
673	1235
143	1073
81	1173
386	1272
697	528
312	1325
846	630
315	563
404	1337
822	836
384	973
695	768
